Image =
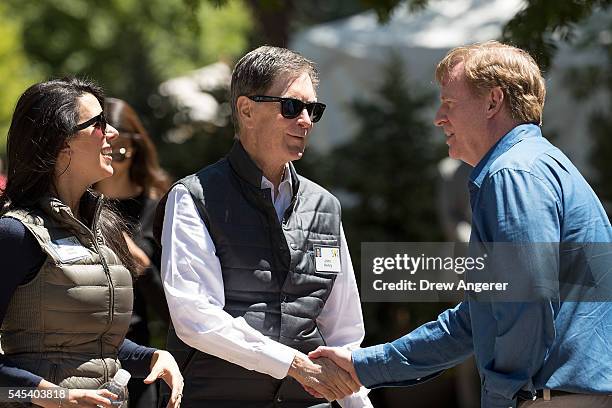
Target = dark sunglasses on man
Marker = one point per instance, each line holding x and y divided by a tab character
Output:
292	108
99	121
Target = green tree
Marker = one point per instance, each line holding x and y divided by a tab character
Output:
16	73
388	169
542	24
129	46
595	80
278	18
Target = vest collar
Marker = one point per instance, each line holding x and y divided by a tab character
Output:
247	170
89	208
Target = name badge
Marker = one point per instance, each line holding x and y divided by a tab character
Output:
69	249
327	258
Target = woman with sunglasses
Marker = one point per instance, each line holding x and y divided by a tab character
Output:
136	185
66	298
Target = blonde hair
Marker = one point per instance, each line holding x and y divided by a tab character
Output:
490	64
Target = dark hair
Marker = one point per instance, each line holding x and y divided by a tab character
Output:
257	70
144	170
44	120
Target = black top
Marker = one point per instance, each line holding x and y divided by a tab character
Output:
22	258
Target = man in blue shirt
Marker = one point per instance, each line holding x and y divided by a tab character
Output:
553	351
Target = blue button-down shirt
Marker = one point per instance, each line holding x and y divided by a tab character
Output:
524	190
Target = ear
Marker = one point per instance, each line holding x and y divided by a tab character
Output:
244	107
495	101
65	149
63	159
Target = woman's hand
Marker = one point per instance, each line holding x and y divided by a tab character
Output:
76	398
89	399
164	366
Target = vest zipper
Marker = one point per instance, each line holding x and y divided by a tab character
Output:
102	260
111	307
106	377
104	265
111	311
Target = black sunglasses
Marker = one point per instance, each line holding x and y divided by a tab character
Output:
292	108
99	121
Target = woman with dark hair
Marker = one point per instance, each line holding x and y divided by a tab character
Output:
136	185
66	298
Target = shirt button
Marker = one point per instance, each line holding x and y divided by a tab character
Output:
293	246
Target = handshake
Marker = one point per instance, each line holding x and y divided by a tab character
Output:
327	372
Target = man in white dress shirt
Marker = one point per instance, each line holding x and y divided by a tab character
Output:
255	264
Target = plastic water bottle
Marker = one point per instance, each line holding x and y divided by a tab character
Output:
118	386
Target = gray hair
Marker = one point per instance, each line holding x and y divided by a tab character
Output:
257	70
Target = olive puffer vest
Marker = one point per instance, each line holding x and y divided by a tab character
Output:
66	325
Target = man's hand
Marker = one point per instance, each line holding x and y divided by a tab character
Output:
323	377
341	356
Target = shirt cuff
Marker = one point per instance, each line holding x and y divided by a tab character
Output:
276	358
370	365
357	400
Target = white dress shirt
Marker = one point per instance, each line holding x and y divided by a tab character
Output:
193	284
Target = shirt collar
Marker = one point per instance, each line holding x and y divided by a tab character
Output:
502	146
265	183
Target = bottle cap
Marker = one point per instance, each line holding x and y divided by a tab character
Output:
122	377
